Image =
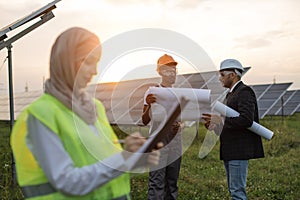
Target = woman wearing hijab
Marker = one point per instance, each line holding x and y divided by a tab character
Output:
63	143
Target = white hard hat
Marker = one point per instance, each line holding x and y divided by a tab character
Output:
231	64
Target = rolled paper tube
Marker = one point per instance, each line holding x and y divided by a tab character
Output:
192	112
194	95
199	102
229	112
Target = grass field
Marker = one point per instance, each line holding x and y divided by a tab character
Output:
277	176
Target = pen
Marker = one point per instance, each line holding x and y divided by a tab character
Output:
119	141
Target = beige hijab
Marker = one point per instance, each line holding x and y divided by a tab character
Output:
68	51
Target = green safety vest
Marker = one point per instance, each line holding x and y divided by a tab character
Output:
81	143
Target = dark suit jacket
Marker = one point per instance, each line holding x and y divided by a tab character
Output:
237	142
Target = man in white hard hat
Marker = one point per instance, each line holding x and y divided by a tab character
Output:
163	178
237	143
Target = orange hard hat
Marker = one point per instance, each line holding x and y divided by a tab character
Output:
164	60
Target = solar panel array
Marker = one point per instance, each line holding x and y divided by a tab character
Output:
124	100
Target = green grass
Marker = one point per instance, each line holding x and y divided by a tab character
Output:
8	189
277	176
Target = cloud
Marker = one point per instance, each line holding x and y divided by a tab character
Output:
251	42
181	4
191	4
128	2
260	40
278	34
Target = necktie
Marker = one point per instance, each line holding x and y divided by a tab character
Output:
226	97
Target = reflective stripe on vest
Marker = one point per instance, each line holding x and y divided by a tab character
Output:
46	188
82	150
37	190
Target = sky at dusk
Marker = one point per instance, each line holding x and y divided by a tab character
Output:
263	34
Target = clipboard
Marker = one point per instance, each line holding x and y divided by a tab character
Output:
157	136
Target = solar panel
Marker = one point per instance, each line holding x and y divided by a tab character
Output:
288	104
268	95
21	100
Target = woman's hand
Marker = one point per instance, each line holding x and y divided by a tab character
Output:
134	141
153	157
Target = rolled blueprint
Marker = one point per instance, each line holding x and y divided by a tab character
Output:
199	102
167	94
229	112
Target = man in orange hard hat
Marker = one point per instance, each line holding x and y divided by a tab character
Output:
163	178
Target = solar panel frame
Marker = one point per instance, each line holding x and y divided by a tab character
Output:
35	14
